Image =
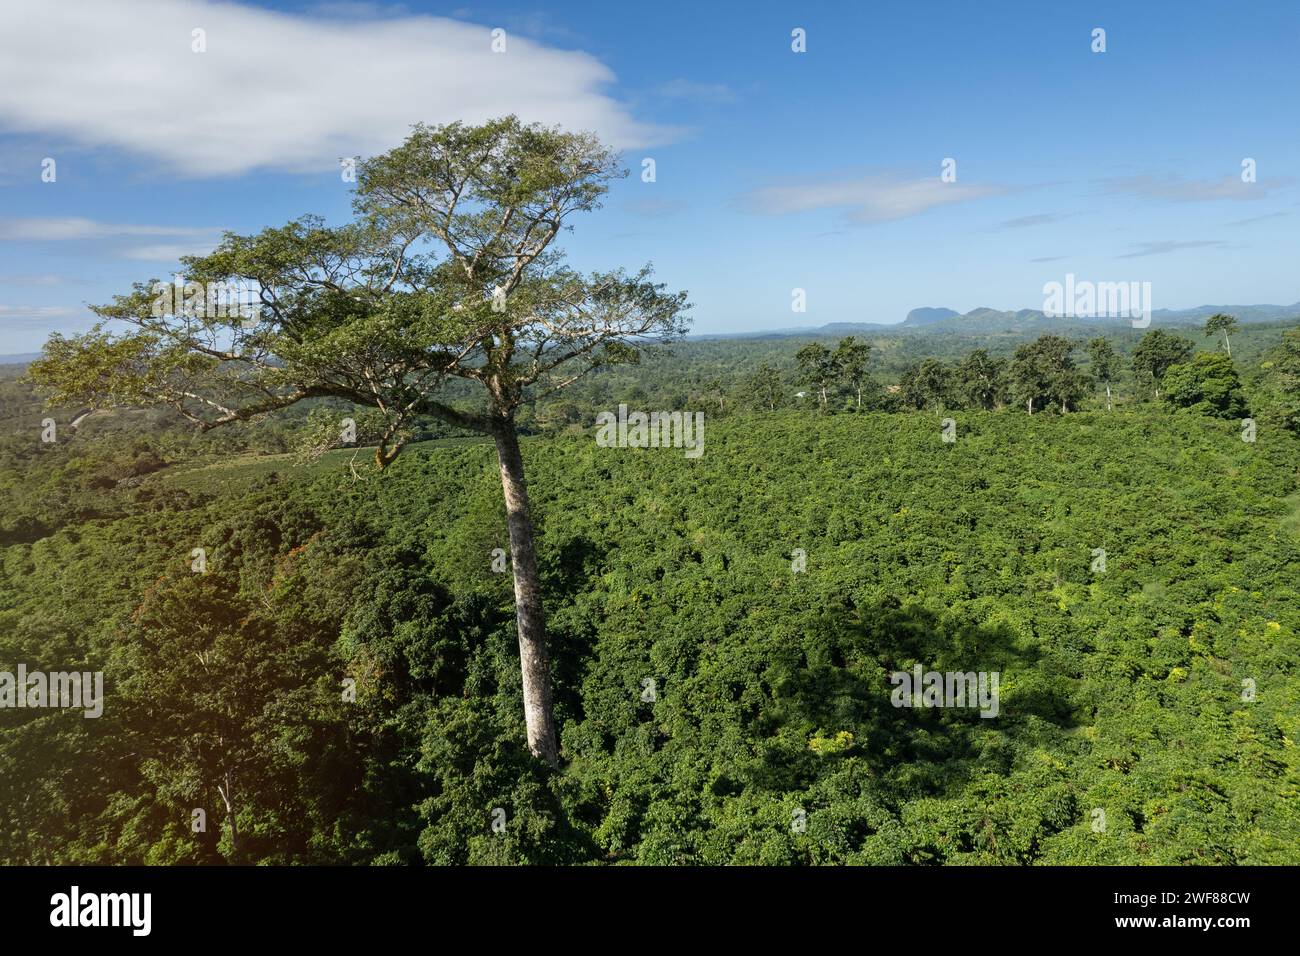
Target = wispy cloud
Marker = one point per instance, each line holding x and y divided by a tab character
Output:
35	314
169	252
1170	245
39	279
352	10
1254	219
868	199
1048	259
62	229
536	24
1039	219
278	90
683	89
1172	188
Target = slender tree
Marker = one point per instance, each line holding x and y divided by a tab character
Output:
816	367
1105	364
1027	376
1221	322
763	388
713	388
851	358
447	271
1156	353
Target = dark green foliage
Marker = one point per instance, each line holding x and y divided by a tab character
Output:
1207	384
816	369
1122	688
1043	375
928	384
1158	352
982	380
1282	379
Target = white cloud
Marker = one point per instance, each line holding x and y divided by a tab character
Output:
39	315
37	278
168	252
278	91
875	198
1174	188
58	229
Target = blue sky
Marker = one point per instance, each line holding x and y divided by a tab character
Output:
775	170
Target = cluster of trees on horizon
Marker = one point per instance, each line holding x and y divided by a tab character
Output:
1041	375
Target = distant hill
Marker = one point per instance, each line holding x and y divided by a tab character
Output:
925	316
1244	313
925	320
994	320
20	359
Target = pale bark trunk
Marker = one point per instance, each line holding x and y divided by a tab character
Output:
1227	344
1031	406
1108	396
226	789
534	661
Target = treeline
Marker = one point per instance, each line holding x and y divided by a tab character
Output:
1050	373
1041	375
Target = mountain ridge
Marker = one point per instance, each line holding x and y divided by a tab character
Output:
928	319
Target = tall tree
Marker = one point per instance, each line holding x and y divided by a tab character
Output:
816	368
1285	377
1105	364
1043	373
447	271
1036	369
714	390
1156	353
979	378
1221	322
764	387
927	384
851	358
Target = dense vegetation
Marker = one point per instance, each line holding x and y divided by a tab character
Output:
344	677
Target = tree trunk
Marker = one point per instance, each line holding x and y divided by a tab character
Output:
1227	344
1031	406
226	789
859	398
534	661
1108	396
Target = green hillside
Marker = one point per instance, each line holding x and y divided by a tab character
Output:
716	705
